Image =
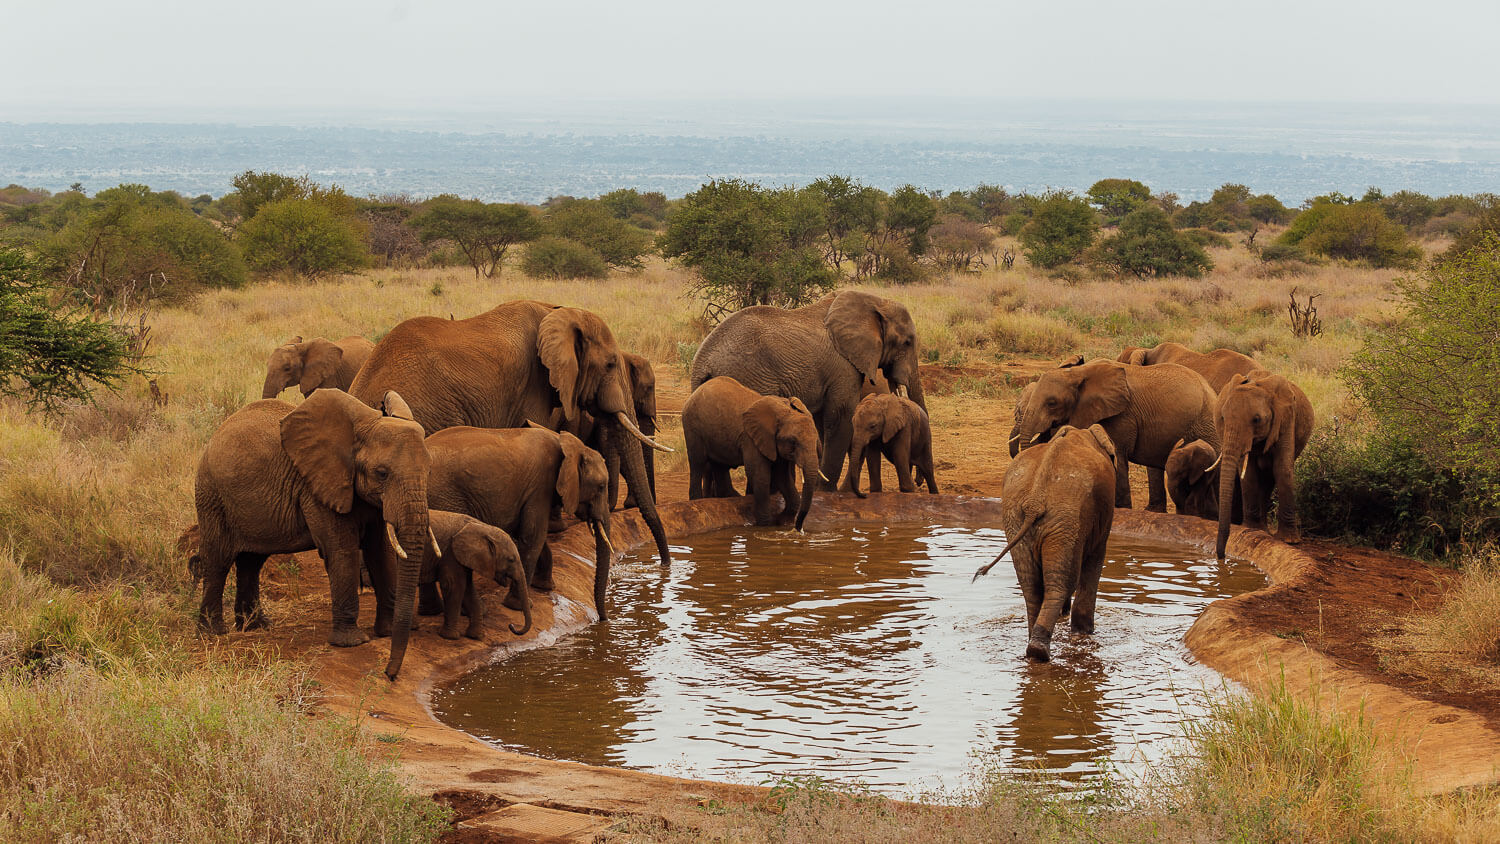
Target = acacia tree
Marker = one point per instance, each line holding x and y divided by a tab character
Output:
1146	245
1061	227
1118	197
48	355
484	232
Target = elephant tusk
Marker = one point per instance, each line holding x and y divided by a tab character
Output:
603	536
436	551
901	390
1244	466
1034	438
1213	464
824	477
390	533
1015	439
636	432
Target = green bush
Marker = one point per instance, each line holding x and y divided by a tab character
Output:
1147	246
589	222
483	232
559	257
302	236
1060	229
1206	238
1117	197
1276	250
1356	231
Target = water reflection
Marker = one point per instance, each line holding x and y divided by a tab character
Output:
860	652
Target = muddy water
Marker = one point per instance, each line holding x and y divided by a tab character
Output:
861	653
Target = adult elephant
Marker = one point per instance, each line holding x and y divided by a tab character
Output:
514	479
1144	409
314	365
1263	422
820	353
642	379
726	425
333	474
517	362
1058	511
1216	367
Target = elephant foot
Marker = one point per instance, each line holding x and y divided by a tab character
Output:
1039	649
1156	508
348	637
475	631
1290	537
1081	624
450	632
254	621
543	584
213	625
430	605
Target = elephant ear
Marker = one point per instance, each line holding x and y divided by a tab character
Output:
1103	391
857	327
319	438
1283	408
559	343
1069	363
760	420
320	364
1138	357
1202	459
798	406
393	405
895	419
1106	444
569	473
475	549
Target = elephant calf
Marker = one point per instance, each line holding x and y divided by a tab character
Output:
727	424
315	364
466	546
1263	423
898	428
1058	510
1192	478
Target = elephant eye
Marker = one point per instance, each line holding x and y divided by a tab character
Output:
382	473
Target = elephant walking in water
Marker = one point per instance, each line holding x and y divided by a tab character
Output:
515	363
821	354
332	474
1058	511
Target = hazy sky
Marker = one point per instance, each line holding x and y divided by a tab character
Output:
184	56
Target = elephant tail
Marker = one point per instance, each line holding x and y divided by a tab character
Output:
1026	527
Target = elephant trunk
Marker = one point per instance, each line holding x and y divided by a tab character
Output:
633	467
812	473
410	516
1231	456
518	577
272	387
857	447
648	454
604	554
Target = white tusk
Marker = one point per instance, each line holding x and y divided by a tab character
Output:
436	551
1014	439
390	533
824	477
1244	466
630	426
1213	464
603	535
901	390
1035	438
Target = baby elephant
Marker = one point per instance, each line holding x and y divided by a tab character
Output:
1059	507
1193	479
896	427
315	364
466	546
726	424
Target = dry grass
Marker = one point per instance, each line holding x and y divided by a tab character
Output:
1458	642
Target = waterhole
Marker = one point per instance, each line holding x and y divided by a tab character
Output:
860	652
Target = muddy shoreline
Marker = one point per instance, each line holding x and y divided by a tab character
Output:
1246	638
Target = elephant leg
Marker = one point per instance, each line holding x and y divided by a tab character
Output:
901	459
723	485
872	466
213	566
1086	593
429	602
758	482
247	609
379	560
838	434
338	541
1059	572
530	539
1254	498
543	580
1029	578
1287	529
785	475
1122	482
474	609
1156	484
451	578
928	475
695	479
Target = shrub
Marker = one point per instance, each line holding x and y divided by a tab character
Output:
955	242
1206	238
1147	246
483	232
1354	231
1026	333
1117	197
1267	209
1278	250
590	223
302	236
559	257
1060	229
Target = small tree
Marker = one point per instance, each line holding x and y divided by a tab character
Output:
1147	245
749	245
589	222
1266	208
1117	197
483	232
558	257
1355	231
1061	227
302	236
955	242
49	354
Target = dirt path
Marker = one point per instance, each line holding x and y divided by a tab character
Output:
1326	605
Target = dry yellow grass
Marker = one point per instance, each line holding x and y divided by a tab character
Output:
1458	642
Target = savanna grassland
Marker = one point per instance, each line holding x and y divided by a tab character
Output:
117	722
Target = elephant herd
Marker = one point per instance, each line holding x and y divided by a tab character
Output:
1187	417
454	446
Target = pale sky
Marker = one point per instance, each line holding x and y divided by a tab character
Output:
184	56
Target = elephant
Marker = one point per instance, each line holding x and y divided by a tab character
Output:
1015	429
514	479
726	424
898	428
316	364
1058	511
514	363
642	379
1263	422
1144	409
1192	479
1216	367
333	474
820	353
462	547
